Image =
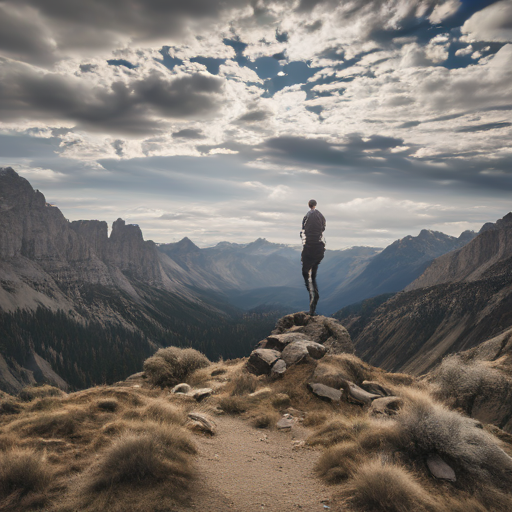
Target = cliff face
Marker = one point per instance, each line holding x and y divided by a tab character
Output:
470	301
493	244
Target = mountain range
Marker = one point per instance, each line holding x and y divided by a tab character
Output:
462	299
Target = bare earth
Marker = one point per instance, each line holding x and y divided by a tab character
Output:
244	469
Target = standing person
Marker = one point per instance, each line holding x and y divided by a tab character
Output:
313	226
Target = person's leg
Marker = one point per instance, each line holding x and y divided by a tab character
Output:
313	291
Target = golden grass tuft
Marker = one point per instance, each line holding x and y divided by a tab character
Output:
383	487
337	430
243	384
30	393
172	365
315	418
234	404
10	406
140	471
265	419
22	471
280	400
108	404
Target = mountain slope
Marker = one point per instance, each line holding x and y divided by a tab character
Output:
414	330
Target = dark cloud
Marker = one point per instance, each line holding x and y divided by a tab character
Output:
254	116
483	127
188	133
119	108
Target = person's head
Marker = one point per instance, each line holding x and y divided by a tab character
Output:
312	203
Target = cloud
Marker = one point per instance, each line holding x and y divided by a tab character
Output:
494	23
188	133
119	107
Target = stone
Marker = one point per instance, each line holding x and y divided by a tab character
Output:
356	395
295	353
261	361
278	370
375	388
387	406
199	422
218	371
181	388
280	341
325	392
285	423
298	351
439	468
262	344
201	394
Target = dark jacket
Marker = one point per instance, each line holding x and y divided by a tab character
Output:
313	225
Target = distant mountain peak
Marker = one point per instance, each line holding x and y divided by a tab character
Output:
187	244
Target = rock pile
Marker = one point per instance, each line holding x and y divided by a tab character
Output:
298	338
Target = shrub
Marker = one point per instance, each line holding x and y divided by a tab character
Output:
429	427
32	392
244	384
162	411
281	400
171	365
45	404
9	406
108	404
145	470
23	471
379	487
47	424
339	462
315	418
265	420
233	404
336	431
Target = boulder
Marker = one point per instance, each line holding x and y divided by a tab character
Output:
325	392
356	395
295	353
181	388
200	394
199	422
262	344
387	406
261	361
440	469
298	351
278	369
375	388
280	341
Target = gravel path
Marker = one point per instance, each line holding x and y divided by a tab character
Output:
243	469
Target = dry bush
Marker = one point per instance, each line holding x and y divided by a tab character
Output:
294	384
234	404
429	427
315	418
147	470
379	487
339	462
32	392
348	366
243	384
10	406
45	404
164	412
23	471
48	424
126	396
108	404
171	365
280	400
338	430
476	383
265	419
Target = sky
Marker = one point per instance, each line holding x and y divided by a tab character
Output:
219	119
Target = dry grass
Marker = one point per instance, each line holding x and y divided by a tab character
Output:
265	419
32	392
381	487
234	404
281	401
24	476
315	418
10	406
243	384
108	404
171	365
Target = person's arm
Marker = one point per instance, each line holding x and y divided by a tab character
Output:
304	221
323	223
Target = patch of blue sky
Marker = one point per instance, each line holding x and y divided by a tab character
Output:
168	61
121	62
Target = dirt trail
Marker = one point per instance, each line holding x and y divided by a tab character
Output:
243	469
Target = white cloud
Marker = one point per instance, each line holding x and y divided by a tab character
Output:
494	23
